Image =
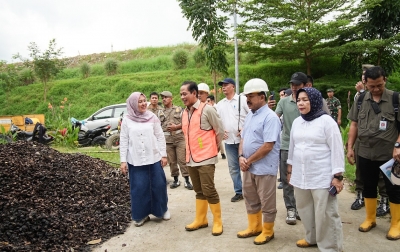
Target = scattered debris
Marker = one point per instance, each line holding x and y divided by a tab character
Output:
52	201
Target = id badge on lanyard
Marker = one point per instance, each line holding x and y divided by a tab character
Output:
383	124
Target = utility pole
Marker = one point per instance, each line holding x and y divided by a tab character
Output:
236	51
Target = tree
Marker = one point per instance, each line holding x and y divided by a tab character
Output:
293	29
209	30
46	65
381	28
375	39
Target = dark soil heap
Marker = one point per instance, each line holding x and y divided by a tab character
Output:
51	201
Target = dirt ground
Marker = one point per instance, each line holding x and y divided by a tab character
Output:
159	235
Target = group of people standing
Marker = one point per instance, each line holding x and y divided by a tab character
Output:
309	153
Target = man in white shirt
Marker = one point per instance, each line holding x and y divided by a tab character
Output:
233	110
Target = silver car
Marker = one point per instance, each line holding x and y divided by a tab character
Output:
107	115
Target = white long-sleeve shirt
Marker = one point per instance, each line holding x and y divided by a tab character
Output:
141	143
228	110
316	152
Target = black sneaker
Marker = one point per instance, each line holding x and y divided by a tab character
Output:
188	185
175	184
280	186
237	198
297	215
223	156
383	207
358	203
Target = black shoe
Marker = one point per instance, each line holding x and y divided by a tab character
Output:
280	186
383	207
297	215
223	156
175	184
237	198
359	202
188	185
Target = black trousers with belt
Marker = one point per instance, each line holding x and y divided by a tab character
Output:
370	175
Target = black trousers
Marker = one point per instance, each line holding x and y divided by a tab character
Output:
370	175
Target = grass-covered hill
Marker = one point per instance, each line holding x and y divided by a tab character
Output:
153	69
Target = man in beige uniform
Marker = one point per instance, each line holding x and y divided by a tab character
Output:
170	117
153	106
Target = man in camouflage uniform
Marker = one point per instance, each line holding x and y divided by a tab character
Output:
334	106
153	106
170	117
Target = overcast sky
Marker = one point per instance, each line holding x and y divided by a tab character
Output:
89	26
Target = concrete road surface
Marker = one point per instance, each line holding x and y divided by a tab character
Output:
159	235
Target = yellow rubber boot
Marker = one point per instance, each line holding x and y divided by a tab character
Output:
254	228
200	220
370	219
304	244
217	225
266	235
394	231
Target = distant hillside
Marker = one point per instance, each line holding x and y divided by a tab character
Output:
152	69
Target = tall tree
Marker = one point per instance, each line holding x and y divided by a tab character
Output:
46	65
381	26
375	39
293	29
209	30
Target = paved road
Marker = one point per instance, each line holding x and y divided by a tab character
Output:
158	235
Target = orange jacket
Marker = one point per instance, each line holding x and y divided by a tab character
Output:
200	144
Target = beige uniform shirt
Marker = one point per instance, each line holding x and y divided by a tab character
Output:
210	120
375	144
171	115
156	110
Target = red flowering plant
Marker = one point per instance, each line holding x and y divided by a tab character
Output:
59	123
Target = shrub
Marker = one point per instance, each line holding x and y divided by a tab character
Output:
199	57
26	76
85	70
180	58
59	124
111	66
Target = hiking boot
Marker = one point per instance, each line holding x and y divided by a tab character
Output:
176	183
358	203
291	216
223	156
237	198
383	207
280	186
188	185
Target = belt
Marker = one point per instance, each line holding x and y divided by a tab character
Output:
167	133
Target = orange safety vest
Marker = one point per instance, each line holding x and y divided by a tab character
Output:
200	144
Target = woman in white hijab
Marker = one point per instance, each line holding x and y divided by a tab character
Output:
143	152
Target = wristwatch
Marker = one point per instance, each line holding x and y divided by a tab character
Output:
397	145
241	155
338	177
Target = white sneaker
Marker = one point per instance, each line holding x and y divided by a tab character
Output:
141	222
291	216
167	215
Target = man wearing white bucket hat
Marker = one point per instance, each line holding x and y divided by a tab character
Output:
204	91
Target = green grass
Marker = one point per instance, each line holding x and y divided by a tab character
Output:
112	157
